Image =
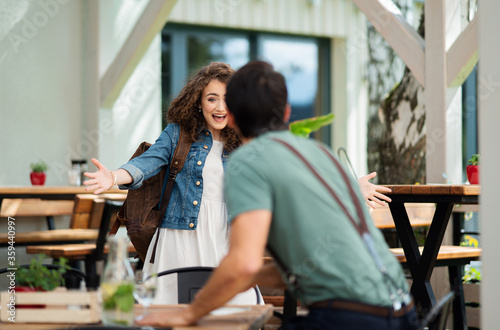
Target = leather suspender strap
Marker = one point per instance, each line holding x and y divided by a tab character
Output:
362	227
176	165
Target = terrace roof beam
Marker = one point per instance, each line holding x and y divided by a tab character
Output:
151	22
392	25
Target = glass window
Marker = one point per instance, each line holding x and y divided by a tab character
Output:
297	60
303	62
206	48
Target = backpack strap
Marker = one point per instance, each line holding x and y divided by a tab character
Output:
176	165
120	217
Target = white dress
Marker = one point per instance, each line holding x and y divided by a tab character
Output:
204	246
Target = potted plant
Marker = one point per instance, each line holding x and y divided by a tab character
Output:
471	287
473	169
38	277
37	174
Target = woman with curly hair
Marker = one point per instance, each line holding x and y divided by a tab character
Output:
194	231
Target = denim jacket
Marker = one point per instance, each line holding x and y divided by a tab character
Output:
184	206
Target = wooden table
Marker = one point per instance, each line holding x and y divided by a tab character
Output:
252	317
422	264
47	192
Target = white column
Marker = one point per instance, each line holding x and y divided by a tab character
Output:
489	135
443	105
91	96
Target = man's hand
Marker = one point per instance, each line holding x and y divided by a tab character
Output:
183	317
372	193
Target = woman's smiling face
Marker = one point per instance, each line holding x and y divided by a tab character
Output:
213	105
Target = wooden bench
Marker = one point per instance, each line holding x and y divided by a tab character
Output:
20	207
85	218
90	253
420	215
448	255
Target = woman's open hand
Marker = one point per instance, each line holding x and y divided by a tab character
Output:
372	193
100	180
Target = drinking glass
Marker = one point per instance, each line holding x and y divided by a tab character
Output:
145	290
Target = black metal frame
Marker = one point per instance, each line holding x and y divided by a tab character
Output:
92	278
422	265
192	279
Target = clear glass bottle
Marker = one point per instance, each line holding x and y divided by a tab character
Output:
83	168
74	176
117	285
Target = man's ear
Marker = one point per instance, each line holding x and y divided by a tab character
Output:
288	113
230	120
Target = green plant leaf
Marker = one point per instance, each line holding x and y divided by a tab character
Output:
39	166
306	126
474	160
39	276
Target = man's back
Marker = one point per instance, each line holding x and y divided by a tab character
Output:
310	232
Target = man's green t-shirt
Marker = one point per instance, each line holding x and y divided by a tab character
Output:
310	232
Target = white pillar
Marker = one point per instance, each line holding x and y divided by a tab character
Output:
443	105
489	135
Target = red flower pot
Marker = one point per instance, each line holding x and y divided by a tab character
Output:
28	289
473	174
37	178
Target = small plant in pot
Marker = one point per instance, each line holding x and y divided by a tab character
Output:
473	169
37	174
38	277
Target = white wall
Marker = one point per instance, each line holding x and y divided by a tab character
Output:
40	87
328	18
44	113
136	114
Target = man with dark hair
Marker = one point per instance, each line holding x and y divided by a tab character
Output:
290	195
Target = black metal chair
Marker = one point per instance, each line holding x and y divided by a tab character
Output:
438	315
190	280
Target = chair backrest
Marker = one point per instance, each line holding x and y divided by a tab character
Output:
84	211
438	315
189	281
344	158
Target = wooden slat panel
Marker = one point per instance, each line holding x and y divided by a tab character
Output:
80	221
35	208
445	252
72	251
56	311
400	189
470	190
49	190
440	190
420	190
44	236
445	189
83	203
420	214
96	213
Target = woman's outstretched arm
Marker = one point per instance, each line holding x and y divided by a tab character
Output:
103	179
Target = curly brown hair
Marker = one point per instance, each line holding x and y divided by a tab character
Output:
184	108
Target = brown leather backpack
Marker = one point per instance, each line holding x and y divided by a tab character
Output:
142	211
